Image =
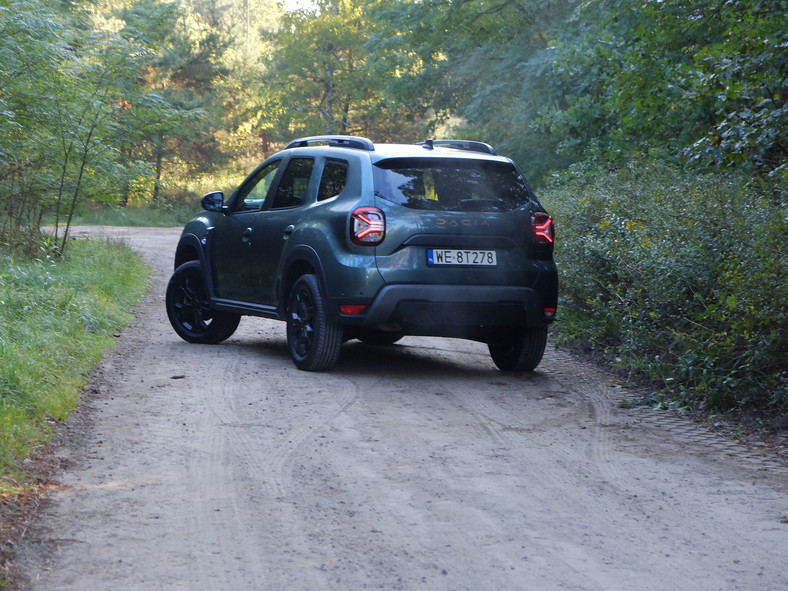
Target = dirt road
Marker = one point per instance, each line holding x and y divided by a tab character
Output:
418	466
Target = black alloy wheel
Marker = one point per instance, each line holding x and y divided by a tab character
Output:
190	312
314	341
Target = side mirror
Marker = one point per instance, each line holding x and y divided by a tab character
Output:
213	201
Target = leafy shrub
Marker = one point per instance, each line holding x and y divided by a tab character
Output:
677	277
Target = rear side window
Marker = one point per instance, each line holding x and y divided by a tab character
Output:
292	189
333	180
451	184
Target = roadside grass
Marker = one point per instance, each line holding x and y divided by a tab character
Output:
57	317
679	279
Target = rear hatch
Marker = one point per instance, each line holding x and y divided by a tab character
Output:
460	221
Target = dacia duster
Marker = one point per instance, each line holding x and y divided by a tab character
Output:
345	239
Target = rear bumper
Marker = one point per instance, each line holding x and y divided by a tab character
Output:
466	311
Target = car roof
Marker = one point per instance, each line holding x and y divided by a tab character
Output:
386	151
328	145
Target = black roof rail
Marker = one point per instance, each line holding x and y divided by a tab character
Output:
469	145
335	141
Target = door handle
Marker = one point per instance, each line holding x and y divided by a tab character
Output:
246	235
288	230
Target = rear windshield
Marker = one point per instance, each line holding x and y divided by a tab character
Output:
451	184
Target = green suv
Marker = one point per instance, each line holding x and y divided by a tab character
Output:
345	239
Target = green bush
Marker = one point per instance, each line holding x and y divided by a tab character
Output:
678	277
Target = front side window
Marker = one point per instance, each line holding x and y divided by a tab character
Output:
255	189
292	190
451	184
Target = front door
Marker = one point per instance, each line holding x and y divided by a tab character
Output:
236	274
250	245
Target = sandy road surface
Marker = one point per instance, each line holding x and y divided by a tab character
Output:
415	467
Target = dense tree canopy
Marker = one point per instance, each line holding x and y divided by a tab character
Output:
123	100
482	67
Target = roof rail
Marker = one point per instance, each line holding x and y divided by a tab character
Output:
335	141
459	145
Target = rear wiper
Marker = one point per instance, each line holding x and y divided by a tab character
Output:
423	204
480	204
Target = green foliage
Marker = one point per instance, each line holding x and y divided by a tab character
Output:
679	277
29	42
324	78
70	116
705	80
484	64
57	315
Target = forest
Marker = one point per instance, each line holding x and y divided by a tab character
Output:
654	131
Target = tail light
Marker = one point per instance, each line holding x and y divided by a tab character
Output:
544	231
367	226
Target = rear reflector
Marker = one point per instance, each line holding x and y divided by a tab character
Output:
351	309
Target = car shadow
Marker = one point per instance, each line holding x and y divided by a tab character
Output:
416	357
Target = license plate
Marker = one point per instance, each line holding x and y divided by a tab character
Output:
456	257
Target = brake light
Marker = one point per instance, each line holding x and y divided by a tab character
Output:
544	232
367	226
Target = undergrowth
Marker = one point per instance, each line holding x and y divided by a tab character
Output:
176	205
57	316
678	279
141	217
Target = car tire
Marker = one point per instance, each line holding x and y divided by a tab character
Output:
314	341
521	351
190	312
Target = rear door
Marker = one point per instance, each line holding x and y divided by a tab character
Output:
277	223
454	221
